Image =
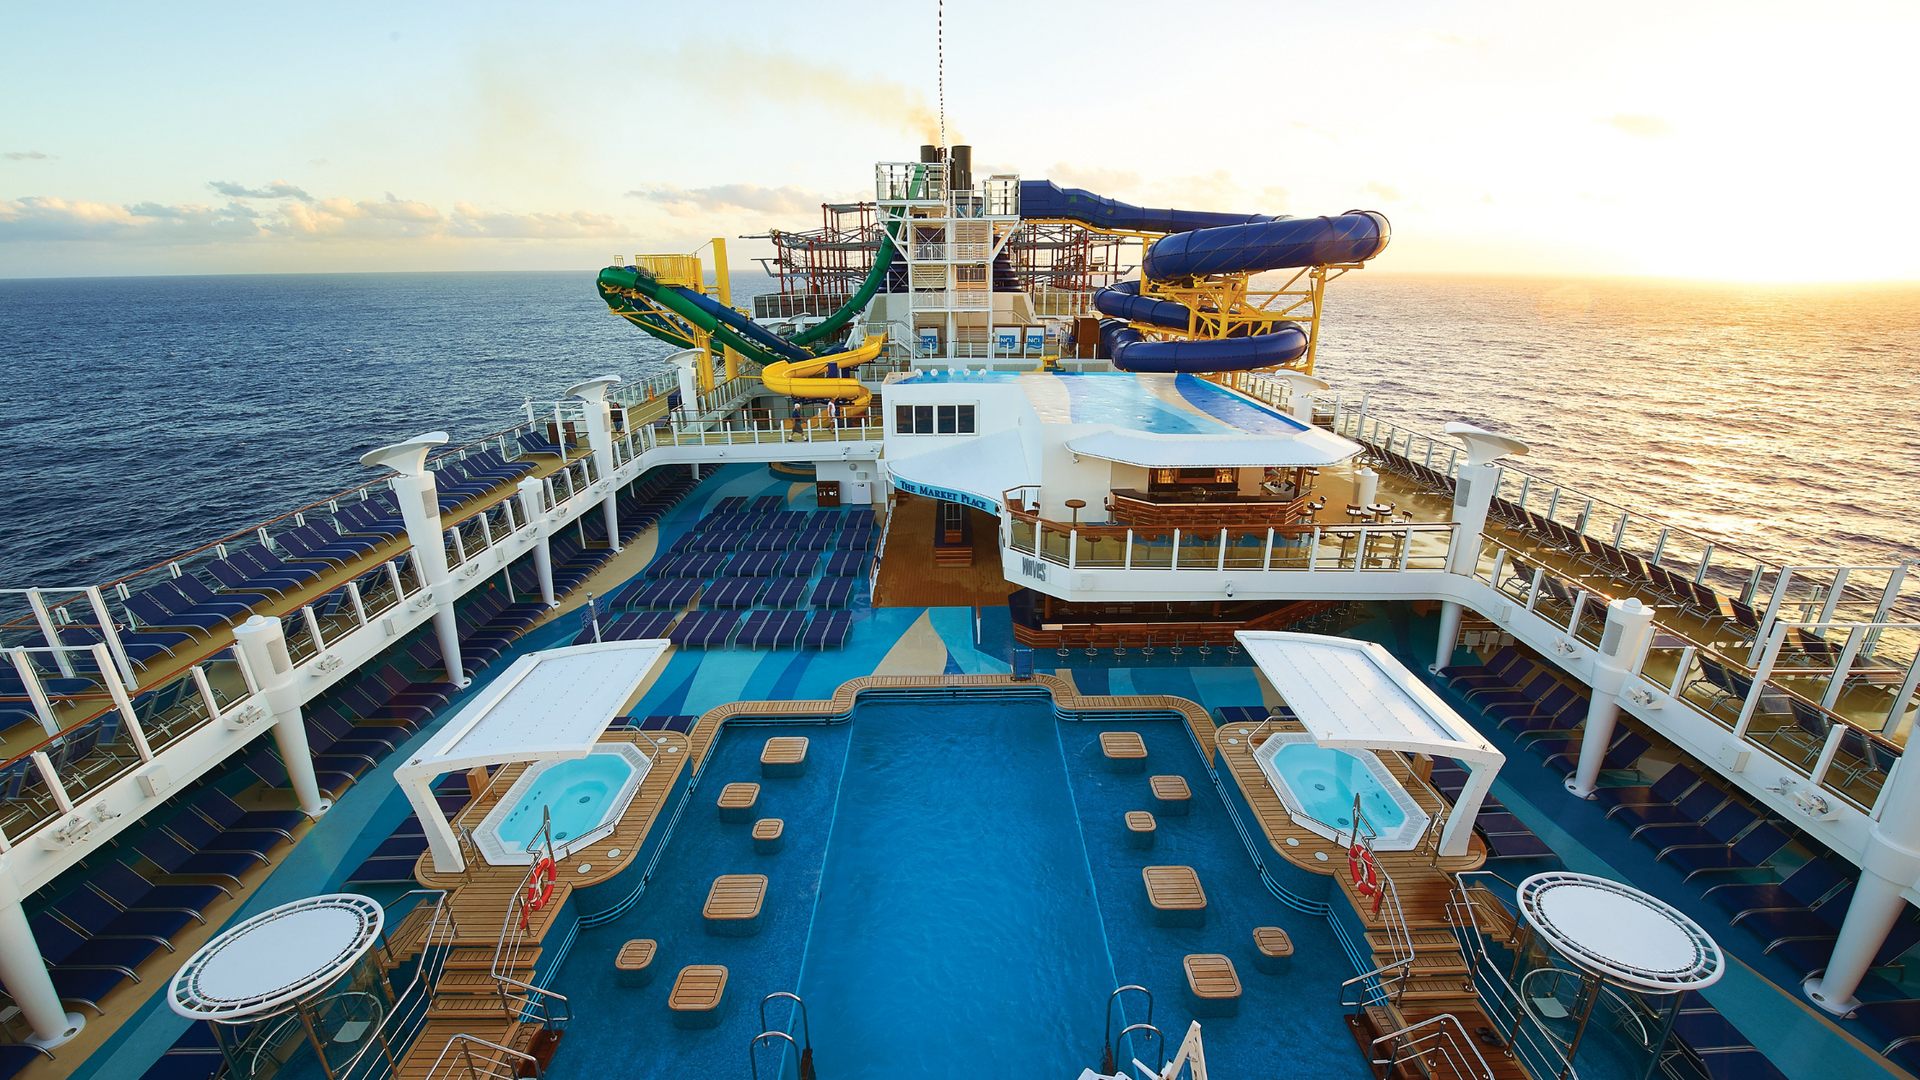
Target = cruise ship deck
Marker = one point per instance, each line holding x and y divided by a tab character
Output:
1033	716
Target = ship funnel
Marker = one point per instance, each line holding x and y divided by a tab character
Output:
406	458
960	168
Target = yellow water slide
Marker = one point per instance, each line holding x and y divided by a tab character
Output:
802	378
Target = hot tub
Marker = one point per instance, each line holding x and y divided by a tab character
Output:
584	798
1318	785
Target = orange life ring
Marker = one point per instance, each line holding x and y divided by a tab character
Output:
1366	872
540	884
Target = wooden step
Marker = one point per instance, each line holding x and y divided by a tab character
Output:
1435	989
436	1033
469	982
1425	940
481	1006
480	958
1430	963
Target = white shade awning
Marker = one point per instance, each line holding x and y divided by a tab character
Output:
1312	447
1351	693
973	472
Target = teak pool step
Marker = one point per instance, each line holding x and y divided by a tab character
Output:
1125	751
783	756
735	905
737	801
1175	895
698	994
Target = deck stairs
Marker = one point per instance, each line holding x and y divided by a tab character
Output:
485	1018
1418	1013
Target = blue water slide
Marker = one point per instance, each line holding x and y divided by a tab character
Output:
1201	244
746	327
1130	352
1355	236
1046	199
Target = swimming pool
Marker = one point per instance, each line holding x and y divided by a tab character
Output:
584	797
1318	785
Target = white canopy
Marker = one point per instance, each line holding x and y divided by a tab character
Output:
550	705
973	472
1312	447
1354	693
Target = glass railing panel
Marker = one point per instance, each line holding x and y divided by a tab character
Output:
1860	766
1337	548
1428	546
1053	542
1789	728
1200	549
1593	620
1152	549
1291	548
1023	532
1246	548
1102	547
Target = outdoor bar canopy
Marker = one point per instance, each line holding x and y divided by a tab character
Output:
549	706
972	473
1308	448
1352	693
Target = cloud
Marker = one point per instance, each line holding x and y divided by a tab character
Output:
25	155
470	221
735	73
279	189
52	218
49	218
1639	125
1386	191
724	198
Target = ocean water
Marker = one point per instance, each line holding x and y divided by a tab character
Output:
147	416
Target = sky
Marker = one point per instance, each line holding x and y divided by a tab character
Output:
1746	141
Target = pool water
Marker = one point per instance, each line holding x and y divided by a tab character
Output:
576	794
1325	781
956	921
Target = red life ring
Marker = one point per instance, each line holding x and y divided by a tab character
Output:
540	884
1366	872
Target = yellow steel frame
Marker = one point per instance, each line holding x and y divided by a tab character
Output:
1226	306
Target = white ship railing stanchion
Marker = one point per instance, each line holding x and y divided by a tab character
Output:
1629	629
263	643
26	977
48	631
417	491
110	633
42	708
129	720
359	603
533	508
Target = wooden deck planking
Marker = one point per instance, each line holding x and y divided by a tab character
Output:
698	987
1211	976
910	575
1170	788
736	896
670	757
1122	745
784	750
1174	888
707	728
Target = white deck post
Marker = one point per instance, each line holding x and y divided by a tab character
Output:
1456	838
262	642
593	393
26	977
418	493
1629	625
1473	491
533	507
1450	613
1890	861
441	841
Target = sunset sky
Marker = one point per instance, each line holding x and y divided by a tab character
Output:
1737	141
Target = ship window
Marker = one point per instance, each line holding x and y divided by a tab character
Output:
966	419
923	419
947	420
903	419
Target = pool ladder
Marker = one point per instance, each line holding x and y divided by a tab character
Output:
1107	1064
802	1049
